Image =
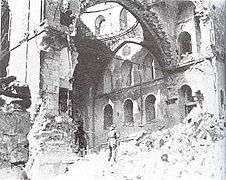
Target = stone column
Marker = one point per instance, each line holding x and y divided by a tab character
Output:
49	80
51	143
51	135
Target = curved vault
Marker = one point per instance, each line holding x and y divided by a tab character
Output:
155	39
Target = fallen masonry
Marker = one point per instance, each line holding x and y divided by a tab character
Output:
51	146
193	149
15	125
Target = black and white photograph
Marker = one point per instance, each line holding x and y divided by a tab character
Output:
112	90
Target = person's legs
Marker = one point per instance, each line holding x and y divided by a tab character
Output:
114	152
109	153
82	152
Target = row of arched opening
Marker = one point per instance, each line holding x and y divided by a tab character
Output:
128	108
186	105
127	74
184	38
99	22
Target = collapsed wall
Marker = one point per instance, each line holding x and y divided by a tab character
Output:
15	125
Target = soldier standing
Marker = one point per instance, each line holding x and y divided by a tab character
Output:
112	143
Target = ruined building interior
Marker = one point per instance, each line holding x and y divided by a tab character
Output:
139	64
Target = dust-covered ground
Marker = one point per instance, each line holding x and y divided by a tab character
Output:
191	150
194	149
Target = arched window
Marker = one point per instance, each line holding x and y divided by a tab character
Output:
123	19
99	20
184	41
126	73
128	112
185	100
186	93
150	108
116	77
108	116
222	97
149	68
107	81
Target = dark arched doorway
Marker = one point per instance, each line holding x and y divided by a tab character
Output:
128	113
186	100
150	108
108	116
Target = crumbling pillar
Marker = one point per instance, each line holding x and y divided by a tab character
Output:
51	143
49	80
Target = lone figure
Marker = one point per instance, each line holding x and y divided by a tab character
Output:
80	139
112	143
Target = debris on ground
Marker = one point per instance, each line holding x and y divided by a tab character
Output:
193	149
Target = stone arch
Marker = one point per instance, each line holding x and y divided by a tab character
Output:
128	112
186	99
99	20
126	73
127	42
123	19
154	37
108	116
150	108
184	41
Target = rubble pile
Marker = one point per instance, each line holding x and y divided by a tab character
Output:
193	149
50	145
15	125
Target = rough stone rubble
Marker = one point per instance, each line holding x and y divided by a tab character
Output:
50	141
193	149
15	125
